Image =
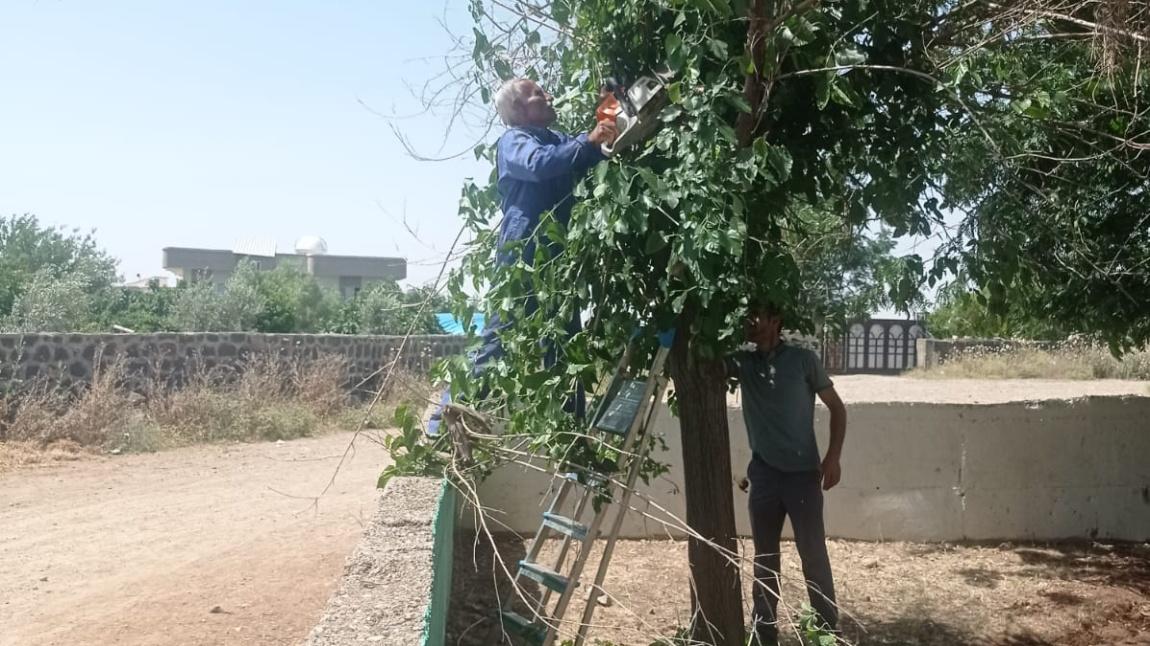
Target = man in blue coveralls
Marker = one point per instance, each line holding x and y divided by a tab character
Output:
537	169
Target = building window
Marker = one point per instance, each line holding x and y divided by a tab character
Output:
349	286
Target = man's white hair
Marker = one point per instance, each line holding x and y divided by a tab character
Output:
508	94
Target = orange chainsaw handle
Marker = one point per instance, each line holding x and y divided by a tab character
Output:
608	109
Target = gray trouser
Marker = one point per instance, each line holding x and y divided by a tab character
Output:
774	496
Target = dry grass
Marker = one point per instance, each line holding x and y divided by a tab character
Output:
1072	360
270	398
20	454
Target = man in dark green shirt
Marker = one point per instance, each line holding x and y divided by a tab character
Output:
779	383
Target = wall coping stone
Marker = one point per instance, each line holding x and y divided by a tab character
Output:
396	584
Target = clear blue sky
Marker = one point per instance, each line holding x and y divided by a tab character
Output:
201	123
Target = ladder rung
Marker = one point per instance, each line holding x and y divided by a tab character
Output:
524	627
593	478
544	575
565	525
614	430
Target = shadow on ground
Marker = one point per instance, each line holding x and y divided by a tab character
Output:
905	630
1098	591
1124	565
479	585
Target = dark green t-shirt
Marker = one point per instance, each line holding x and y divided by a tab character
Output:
778	389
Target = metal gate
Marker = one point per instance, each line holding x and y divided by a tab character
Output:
874	346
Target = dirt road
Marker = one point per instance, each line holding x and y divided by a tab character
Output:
207	545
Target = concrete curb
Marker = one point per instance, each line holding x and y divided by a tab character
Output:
442	557
396	585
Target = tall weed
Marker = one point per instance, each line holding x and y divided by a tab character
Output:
269	397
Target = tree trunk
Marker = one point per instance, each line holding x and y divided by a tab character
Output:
716	600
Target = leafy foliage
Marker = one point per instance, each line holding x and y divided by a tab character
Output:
694	222
848	274
57	281
384	308
961	311
32	253
140	310
52	303
1058	221
201	307
416	457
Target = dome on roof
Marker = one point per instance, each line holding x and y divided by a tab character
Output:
311	246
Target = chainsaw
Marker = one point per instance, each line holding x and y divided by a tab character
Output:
635	110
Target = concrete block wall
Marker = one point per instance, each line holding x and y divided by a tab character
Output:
69	359
932	472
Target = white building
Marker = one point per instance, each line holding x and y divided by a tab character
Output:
348	274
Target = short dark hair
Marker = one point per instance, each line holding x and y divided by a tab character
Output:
768	307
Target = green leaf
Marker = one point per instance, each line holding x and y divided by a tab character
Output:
649	178
675	92
718	48
780	160
823	89
676	57
849	56
740	102
1021	105
481	48
841	97
748	64
503	69
804	30
655	243
561	12
760	148
601	172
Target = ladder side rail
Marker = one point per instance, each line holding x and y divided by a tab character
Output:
656	385
561	497
621	509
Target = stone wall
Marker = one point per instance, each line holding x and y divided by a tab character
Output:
70	359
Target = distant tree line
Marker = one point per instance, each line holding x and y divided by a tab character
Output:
58	280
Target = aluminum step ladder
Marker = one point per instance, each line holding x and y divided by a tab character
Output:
623	418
